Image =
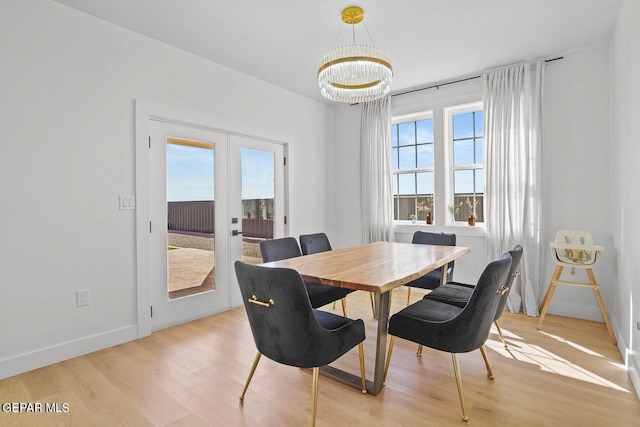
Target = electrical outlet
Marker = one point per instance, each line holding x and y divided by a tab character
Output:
82	298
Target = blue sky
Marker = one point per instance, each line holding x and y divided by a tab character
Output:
190	173
258	181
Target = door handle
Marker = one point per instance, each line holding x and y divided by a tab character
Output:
236	232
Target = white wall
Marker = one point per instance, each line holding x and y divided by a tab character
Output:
345	218
625	173
575	168
67	87
576	171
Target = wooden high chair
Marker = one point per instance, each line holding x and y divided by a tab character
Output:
575	249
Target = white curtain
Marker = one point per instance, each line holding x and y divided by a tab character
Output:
375	148
513	133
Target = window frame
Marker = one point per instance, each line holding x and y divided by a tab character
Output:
442	111
409	118
450	167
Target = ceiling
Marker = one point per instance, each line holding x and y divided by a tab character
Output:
429	41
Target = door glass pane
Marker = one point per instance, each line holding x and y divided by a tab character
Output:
258	193
190	217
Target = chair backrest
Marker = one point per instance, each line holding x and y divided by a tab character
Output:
516	256
314	243
282	321
480	311
576	238
277	249
436	238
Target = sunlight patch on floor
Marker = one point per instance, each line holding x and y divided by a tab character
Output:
548	361
572	344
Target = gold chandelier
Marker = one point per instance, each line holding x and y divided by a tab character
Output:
354	73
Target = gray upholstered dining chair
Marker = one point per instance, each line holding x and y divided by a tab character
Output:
287	330
319	294
314	243
432	279
454	329
459	293
319	242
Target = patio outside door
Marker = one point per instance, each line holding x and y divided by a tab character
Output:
213	197
256	200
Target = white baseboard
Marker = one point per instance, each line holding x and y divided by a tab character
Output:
46	356
634	374
578	311
630	362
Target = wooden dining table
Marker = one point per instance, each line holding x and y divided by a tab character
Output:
376	267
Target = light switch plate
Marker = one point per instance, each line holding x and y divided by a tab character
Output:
127	203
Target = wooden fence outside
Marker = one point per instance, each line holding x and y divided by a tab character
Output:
199	217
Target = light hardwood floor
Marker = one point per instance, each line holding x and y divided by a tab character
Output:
192	374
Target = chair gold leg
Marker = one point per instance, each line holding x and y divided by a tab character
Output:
596	291
456	369
506	347
373	307
344	306
419	352
362	373
486	363
408	294
253	369
386	366
314	396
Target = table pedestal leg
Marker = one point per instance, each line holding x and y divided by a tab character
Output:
382	301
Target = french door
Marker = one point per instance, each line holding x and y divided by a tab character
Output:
213	196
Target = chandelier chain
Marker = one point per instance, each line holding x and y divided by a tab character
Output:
335	43
369	34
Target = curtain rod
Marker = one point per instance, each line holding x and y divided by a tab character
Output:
437	85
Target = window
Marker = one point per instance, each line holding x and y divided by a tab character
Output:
466	148
416	140
413	168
